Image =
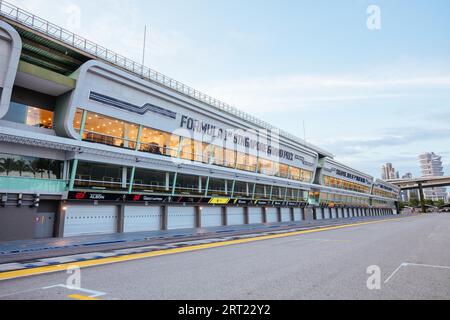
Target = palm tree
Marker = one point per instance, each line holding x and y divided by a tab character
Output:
7	164
21	166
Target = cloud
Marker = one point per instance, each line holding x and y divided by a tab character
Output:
291	92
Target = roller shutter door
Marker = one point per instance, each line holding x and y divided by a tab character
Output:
319	214
297	214
272	215
89	220
327	214
334	212
235	216
141	218
211	217
342	213
180	217
285	214
255	215
347	213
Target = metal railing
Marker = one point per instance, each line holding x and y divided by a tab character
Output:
31	21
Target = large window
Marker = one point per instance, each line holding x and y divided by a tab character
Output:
106	130
29	115
110	131
190	185
102	176
219	187
30	167
151	181
159	142
343	184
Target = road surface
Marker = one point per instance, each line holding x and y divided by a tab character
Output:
411	253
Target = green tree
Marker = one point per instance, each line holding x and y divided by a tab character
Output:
21	166
439	203
414	202
7	165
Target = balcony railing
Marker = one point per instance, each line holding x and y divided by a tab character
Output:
13	184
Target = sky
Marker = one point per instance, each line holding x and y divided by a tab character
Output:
368	96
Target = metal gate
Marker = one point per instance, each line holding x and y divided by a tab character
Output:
255	215
211	217
285	214
180	217
141	218
87	220
235	216
272	215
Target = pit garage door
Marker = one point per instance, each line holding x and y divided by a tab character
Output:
347	213
326	213
211	217
272	215
285	214
297	214
255	215
180	217
88	220
334	212
142	218
342	213
235	216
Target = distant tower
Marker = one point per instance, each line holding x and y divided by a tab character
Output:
431	166
388	172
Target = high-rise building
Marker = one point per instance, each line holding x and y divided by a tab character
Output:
431	166
388	172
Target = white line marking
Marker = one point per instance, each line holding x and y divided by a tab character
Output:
396	270
93	293
407	264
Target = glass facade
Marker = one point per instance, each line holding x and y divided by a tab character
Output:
29	115
30	167
384	194
102	177
344	184
114	132
330	198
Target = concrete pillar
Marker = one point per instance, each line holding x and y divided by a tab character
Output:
292	214
198	216
224	216
164	218
314	213
279	214
303	214
246	217
60	220
264	215
120	218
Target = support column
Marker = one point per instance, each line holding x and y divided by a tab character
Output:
264	215
198	217
164	218
60	220
120	218
73	174
279	215
224	216
246	217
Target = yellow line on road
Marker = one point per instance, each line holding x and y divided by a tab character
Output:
80	297
137	256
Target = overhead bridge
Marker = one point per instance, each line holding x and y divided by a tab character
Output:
420	184
424	182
